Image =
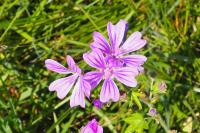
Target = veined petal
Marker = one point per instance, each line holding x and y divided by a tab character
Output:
133	43
56	67
77	97
100	42
134	60
95	59
62	86
72	65
111	34
93	78
126	75
85	86
120	31
109	91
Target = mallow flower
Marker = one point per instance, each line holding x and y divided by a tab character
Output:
63	85
104	71
92	127
118	48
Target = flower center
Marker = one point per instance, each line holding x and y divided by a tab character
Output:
114	61
107	73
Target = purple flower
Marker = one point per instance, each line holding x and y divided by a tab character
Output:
97	103
118	48
63	85
92	127
125	75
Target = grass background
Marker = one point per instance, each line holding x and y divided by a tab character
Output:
34	30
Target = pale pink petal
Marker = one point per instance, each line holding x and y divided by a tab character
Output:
95	59
77	97
85	86
62	86
109	91
93	78
134	60
133	43
56	67
72	65
120	31
126	75
100	42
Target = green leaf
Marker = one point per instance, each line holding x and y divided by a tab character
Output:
137	123
135	98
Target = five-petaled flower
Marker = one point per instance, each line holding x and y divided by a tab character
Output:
92	127
125	75
63	85
116	52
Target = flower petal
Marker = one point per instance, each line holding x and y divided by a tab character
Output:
77	97
100	42
100	129
134	60
93	78
111	34
62	86
95	59
120	31
109	91
56	67
126	75
85	86
72	65
86	130
133	43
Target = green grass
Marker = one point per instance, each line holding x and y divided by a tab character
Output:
32	31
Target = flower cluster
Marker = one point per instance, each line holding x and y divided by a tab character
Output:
112	61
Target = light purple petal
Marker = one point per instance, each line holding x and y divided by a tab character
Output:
120	31
133	43
100	42
126	75
86	130
93	78
77	97
100	129
111	34
72	65
85	86
56	67
95	59
134	60
109	91
62	86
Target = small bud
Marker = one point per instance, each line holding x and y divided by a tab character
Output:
162	87
97	103
152	112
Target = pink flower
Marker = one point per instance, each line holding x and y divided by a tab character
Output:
109	90
118	48
63	85
92	127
